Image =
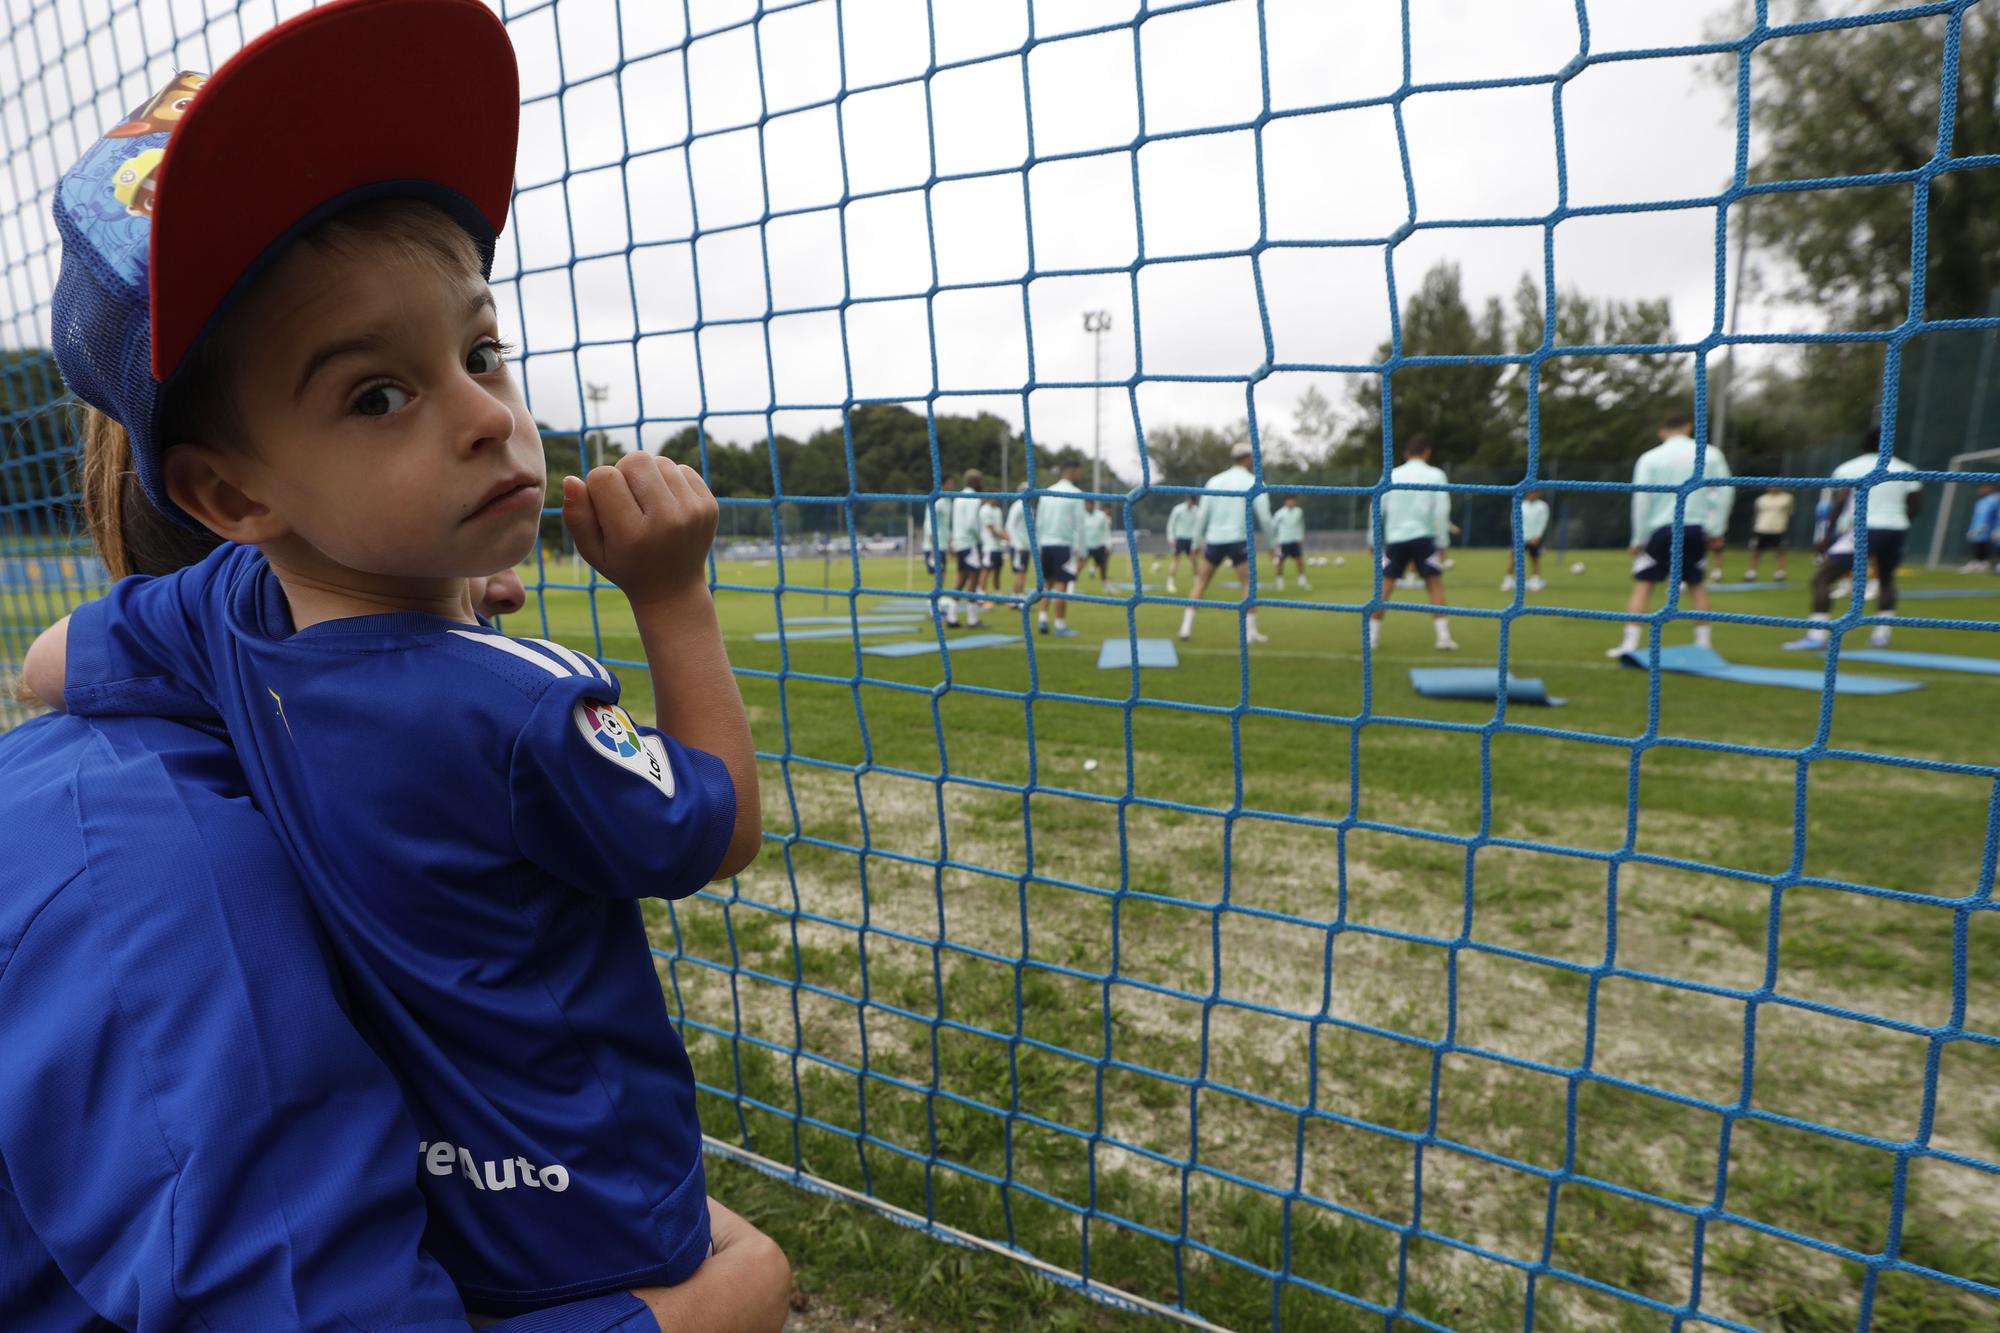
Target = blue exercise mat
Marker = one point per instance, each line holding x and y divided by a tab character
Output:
901	608
1978	666
1693	660
1718	586
1152	653
869	618
919	647
1946	594
1479	683
796	634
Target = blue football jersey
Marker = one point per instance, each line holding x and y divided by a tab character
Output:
474	818
192	1135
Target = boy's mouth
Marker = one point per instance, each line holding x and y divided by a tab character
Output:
507	496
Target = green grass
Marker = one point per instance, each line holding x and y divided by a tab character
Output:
828	916
986	986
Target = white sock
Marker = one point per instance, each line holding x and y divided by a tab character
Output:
1631	639
1042	619
1374	633
1303	583
1187	620
1443	631
1250	622
1062	622
1701	636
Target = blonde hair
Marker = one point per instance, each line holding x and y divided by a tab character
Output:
131	534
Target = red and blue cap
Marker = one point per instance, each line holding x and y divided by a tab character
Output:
167	217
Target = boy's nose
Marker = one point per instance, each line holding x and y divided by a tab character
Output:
484	418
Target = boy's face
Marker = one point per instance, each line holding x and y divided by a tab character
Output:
383	424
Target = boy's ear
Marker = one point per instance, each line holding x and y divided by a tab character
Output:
207	484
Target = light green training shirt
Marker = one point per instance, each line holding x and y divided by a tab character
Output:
1669	463
989	519
1219	521
1059	517
1017	525
965	520
1290	523
1408	515
1096	529
1181	522
1888	500
1534	519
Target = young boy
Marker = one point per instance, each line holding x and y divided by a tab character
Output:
307	360
1290	525
1534	522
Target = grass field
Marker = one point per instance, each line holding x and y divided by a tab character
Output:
996	987
1057	1010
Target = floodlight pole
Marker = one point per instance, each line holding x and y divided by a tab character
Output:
596	393
1097	323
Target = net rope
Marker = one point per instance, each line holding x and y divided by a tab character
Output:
74	67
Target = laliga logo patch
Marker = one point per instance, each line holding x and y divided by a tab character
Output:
611	734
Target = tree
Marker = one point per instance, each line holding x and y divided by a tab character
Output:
1190	455
1598	407
1453	404
1858	102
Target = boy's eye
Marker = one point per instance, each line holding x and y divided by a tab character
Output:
380	400
486	359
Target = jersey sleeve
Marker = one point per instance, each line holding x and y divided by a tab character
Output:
148	646
614	808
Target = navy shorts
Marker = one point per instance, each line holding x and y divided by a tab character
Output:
1055	566
1885	550
1420	552
1767	541
1101	556
969	560
1654	561
1533	548
1183	546
1291	551
1018	557
1236	553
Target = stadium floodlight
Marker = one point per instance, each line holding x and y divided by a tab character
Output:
1097	323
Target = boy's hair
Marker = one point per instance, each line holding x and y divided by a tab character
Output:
1679	421
1417	446
200	404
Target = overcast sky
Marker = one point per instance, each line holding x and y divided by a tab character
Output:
623	238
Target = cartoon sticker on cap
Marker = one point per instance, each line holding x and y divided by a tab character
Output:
132	183
611	734
163	110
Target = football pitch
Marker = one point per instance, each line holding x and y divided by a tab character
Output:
986	970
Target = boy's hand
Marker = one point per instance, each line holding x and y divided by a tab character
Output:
646	525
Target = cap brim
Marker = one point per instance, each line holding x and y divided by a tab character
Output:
407	96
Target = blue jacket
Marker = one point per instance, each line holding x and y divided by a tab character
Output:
192	1134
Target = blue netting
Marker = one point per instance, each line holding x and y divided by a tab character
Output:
1063	1014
